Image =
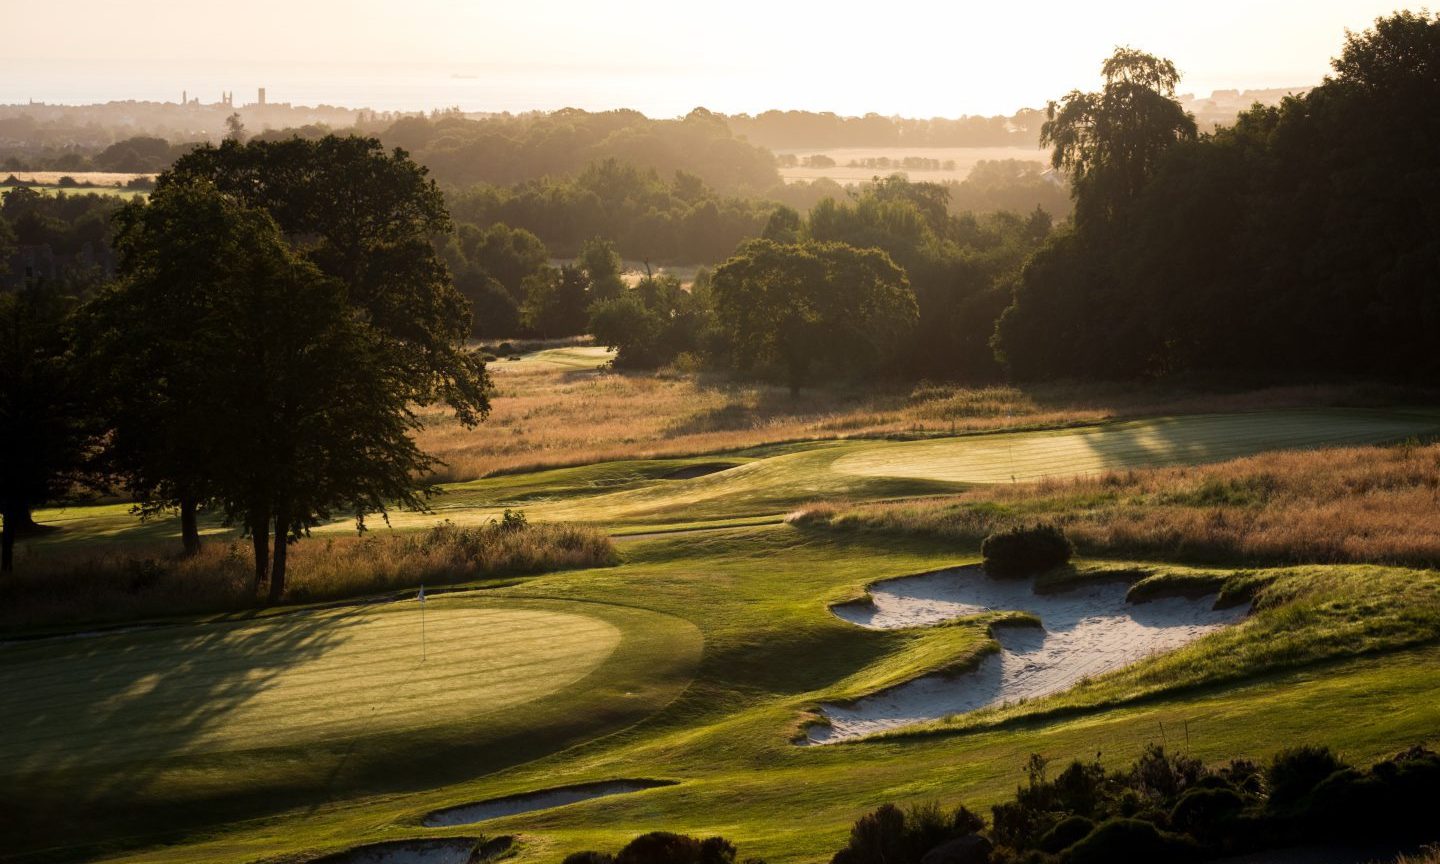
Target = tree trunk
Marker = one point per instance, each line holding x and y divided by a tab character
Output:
189	527
260	537
282	543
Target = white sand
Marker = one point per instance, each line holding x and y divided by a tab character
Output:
542	800
1087	631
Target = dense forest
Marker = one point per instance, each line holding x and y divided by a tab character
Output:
1302	240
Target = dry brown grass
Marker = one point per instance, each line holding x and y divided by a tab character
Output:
1427	855
69	588
1376	505
547	417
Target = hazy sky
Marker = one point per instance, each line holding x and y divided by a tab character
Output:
940	58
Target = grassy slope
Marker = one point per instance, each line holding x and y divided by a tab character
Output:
772	650
634	496
203	724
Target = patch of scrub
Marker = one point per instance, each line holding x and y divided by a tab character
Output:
449	850
544	799
1088	630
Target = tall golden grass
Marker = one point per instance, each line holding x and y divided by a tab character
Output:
1378	505
74	587
545	417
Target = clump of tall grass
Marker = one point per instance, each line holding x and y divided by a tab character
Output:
71	588
1375	505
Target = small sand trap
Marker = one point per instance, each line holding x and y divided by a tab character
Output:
544	799
451	850
1086	631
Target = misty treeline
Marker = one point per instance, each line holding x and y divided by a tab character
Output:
1304	239
276	313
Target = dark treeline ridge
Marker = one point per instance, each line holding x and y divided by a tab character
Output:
1303	240
1163	807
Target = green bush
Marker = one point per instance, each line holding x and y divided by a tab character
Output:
1130	841
1026	550
1294	773
890	835
1066	834
1204	813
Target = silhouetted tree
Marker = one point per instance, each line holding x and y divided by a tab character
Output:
364	217
47	425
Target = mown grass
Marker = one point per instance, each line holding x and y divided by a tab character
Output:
1357	504
1362	679
56	586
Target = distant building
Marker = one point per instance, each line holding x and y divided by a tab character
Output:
261	100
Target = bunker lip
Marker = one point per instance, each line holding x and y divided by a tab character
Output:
540	799
1088	628
446	850
690	472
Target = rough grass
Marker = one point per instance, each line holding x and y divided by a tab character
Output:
556	409
1359	504
57	587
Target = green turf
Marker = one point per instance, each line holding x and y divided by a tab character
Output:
224	720
772	650
240	740
634	496
1136	444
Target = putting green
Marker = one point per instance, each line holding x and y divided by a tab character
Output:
1138	444
224	721
331	674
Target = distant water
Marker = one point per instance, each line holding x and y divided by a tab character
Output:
476	87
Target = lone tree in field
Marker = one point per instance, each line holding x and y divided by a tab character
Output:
46	423
364	217
1110	142
278	400
793	306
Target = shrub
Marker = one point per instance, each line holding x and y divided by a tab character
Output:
1130	841
1204	813
664	847
892	836
1066	834
1395	798
1023	551
1294	773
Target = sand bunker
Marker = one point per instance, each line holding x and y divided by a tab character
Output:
1086	631
450	850
542	800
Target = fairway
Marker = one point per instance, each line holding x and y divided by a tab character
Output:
1136	444
228	687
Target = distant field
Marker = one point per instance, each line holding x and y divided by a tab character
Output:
79	190
963	157
52	178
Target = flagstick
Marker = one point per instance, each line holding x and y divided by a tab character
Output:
422	623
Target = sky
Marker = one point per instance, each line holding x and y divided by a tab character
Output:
938	58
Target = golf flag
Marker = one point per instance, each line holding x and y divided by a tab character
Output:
421	598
